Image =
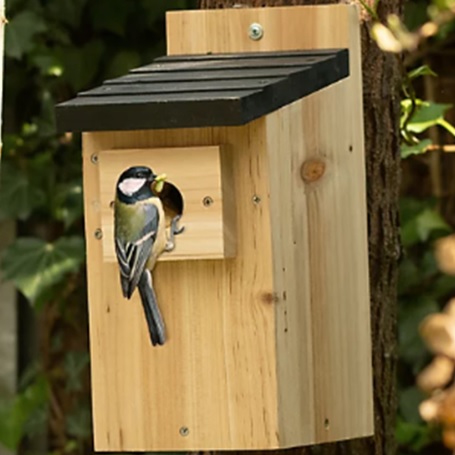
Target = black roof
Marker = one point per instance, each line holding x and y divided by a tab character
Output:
203	90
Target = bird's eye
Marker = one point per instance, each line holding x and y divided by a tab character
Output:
140	175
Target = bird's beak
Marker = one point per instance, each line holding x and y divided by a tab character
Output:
159	182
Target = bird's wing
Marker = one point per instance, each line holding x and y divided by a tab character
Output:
132	256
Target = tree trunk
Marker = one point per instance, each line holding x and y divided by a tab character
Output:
381	95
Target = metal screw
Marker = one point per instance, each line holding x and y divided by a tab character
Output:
94	158
256	199
255	32
207	201
98	234
326	424
184	431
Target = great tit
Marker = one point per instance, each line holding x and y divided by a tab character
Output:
140	238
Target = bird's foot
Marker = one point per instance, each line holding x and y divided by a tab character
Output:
175	230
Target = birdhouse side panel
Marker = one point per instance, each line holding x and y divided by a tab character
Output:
321	270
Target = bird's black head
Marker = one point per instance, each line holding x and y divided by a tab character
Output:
134	184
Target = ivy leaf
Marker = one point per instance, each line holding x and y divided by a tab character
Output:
21	32
426	115
421	227
15	414
75	364
67	11
416	435
18	196
412	348
429	221
110	15
409	276
79	423
80	64
122	63
45	121
69	204
410	399
47	64
423	70
415	149
35	265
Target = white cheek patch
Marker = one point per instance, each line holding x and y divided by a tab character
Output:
129	186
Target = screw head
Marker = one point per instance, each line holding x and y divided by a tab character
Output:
207	201
256	199
184	431
255	32
94	158
98	234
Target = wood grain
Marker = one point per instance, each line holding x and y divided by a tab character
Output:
216	374
198	174
271	348
320	258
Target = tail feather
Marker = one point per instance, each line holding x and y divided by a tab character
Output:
152	312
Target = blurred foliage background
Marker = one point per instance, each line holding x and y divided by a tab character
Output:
55	48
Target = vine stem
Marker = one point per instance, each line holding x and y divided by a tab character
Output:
435	158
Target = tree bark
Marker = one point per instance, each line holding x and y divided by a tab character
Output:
381	96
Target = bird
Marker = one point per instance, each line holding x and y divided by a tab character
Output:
140	238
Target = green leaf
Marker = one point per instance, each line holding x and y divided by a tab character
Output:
67	11
21	32
35	265
410	208
80	64
78	423
48	64
416	436
122	63
415	149
423	70
69	204
424	225
412	313
409	402
15	415
430	221
442	287
75	364
45	121
408	276
18	196
427	114
110	15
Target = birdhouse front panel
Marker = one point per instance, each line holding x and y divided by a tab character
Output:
213	384
242	156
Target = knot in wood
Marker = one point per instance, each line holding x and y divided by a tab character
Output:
312	169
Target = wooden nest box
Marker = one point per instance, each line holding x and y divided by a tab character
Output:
255	116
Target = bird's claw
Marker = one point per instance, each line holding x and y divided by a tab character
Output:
175	230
